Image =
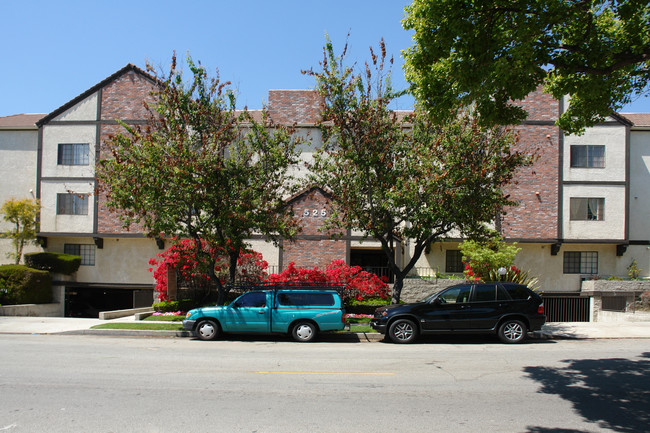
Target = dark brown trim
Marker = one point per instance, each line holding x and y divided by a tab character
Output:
596	182
98	141
39	162
627	183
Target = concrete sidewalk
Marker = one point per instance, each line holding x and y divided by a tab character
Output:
67	325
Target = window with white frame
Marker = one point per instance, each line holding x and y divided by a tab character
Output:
85	251
588	156
580	262
72	204
587	209
73	154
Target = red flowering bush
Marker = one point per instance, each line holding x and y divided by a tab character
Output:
192	270
359	284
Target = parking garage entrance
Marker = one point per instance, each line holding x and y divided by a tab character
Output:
88	302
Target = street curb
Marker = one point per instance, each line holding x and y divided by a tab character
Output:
359	337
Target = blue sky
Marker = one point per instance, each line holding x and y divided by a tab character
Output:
53	51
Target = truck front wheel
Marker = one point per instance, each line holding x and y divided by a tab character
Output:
304	331
207	330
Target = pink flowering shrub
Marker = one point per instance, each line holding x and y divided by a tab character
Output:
358	283
192	270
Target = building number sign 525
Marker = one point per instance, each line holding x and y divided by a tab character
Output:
314	213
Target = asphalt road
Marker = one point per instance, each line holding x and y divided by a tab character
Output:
104	384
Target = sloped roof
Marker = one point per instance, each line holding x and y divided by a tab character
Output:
638	119
20	121
128	68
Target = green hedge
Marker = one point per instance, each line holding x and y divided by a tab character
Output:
183	305
22	285
54	262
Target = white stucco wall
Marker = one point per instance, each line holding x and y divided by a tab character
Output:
17	178
613	137
53	135
121	261
85	110
639	185
17	166
51	222
612	227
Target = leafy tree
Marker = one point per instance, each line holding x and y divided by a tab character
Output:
23	214
201	170
485	258
491	52
404	180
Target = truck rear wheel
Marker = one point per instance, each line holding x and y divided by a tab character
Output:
304	332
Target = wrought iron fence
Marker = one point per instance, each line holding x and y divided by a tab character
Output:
566	308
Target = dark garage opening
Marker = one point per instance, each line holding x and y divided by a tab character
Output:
371	260
88	302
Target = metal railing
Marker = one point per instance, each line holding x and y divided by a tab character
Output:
566	308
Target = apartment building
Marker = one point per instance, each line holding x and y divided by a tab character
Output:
582	210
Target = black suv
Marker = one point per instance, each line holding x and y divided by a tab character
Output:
507	309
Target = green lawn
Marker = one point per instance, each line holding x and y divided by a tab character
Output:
142	326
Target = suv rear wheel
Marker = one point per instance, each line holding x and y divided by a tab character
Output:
512	331
402	331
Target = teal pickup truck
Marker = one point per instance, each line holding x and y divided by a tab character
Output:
301	312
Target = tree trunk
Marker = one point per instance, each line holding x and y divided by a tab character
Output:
397	288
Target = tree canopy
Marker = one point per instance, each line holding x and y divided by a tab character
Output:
491	52
399	179
23	214
202	170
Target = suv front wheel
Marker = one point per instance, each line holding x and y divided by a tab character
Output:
512	331
402	331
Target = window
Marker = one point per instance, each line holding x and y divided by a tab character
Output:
73	154
72	204
252	299
580	262
587	209
299	299
458	294
588	156
454	261
86	252
485	293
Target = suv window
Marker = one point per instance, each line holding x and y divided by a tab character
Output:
252	299
518	292
485	293
302	299
456	294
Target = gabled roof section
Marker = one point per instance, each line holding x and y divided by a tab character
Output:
305	192
622	119
640	120
20	121
128	68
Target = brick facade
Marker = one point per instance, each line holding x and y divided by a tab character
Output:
294	106
312	247
536	188
123	99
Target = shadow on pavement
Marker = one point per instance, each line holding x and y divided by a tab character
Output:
614	392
